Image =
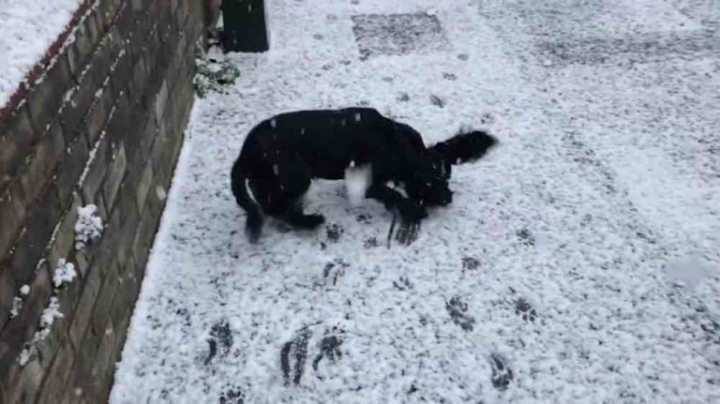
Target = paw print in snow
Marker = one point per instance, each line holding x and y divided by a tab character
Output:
526	237
437	101
525	310
293	356
371	243
403	283
233	396
487	118
364	218
221	339
334	231
329	348
470	263
458	313
502	375
334	270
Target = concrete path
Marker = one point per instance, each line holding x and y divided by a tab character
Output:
579	261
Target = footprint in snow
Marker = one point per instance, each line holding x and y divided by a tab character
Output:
525	310
458	313
234	395
293	355
221	340
334	231
502	375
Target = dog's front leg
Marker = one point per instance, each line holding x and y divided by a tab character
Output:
411	212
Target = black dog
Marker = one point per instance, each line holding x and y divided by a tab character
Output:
281	156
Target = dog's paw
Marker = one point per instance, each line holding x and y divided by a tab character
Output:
407	233
315	220
308	222
334	231
411	212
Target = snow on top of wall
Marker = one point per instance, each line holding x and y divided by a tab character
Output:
27	29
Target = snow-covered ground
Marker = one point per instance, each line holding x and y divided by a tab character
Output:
579	261
27	28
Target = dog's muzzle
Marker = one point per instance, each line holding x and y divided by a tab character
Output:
447	199
442	199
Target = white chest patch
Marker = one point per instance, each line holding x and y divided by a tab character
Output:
357	181
397	187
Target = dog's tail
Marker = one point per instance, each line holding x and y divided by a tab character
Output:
464	147
240	188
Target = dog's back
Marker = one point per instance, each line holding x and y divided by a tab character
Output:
326	140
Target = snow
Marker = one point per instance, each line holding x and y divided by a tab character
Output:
357	181
47	319
24	356
17	304
92	155
689	271
27	29
25	290
547	278
161	193
50	313
64	273
88	227
17	301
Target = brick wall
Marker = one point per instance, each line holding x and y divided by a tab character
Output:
101	122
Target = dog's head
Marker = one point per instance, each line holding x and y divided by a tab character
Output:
430	186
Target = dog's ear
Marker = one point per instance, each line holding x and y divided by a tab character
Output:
465	147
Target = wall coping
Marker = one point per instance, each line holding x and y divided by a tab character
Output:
37	72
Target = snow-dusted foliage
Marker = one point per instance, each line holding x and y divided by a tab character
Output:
89	226
17	301
64	273
213	75
47	319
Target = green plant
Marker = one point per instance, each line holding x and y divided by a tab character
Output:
213	75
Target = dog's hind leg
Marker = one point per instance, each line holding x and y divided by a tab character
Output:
293	213
293	181
295	217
